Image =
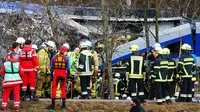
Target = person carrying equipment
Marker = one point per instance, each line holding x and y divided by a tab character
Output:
59	71
12	72
186	67
136	73
160	78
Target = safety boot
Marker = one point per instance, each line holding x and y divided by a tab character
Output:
23	97
52	106
33	97
63	104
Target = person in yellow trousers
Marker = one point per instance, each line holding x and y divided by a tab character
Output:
44	64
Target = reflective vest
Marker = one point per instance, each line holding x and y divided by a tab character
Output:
26	55
135	68
60	62
44	61
73	62
11	72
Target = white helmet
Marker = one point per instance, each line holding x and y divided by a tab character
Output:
83	45
20	40
117	75
156	45
50	43
157	49
66	45
89	43
34	46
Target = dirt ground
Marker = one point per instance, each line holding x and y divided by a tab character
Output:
105	107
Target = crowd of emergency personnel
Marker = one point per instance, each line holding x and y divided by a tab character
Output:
46	73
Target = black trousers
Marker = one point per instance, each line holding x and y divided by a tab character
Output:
85	84
161	92
136	88
171	88
186	90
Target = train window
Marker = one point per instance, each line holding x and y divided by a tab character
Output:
78	12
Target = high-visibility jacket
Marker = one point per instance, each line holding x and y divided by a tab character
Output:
160	69
186	66
86	63
44	60
12	72
28	59
136	67
73	62
171	70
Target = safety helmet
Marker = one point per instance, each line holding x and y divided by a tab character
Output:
161	51
50	43
66	45
117	75
157	49
34	46
156	45
101	46
63	49
128	37
134	48
83	45
166	51
20	40
186	47
89	43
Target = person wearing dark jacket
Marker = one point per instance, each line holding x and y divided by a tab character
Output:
186	67
135	103
135	72
85	69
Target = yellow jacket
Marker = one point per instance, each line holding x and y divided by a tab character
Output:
44	60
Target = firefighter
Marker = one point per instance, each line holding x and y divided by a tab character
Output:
59	71
29	61
194	76
116	81
151	57
135	72
12	72
171	72
44	64
85	68
34	47
160	78
73	56
186	67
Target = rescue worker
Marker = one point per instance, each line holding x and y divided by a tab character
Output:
171	72
29	61
151	57
59	71
44	64
34	47
73	56
186	67
160	78
85	68
21	42
12	72
194	79
136	73
15	48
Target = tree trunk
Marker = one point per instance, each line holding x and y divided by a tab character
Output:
157	13
108	48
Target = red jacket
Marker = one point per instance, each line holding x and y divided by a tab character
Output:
28	59
11	83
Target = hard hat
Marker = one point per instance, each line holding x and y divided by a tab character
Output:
161	51
117	74
186	47
101	46
89	43
50	43
20	40
63	49
156	45
157	49
134	48
66	45
128	37
166	51
83	45
34	46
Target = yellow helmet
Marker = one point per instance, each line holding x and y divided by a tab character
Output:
166	51
128	37
186	47
134	48
161	51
